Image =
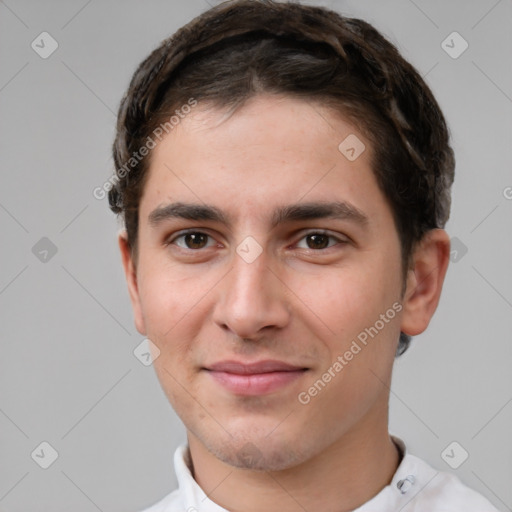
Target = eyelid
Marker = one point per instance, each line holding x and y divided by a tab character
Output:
172	238
341	239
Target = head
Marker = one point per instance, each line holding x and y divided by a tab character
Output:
246	110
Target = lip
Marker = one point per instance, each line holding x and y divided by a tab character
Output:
252	379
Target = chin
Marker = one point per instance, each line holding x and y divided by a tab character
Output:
257	452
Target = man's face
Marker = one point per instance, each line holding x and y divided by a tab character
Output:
298	292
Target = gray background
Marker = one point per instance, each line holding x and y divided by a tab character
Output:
68	375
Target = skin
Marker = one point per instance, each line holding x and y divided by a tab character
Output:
297	303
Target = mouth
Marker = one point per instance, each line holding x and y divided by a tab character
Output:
252	379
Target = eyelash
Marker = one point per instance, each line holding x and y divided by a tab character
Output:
340	241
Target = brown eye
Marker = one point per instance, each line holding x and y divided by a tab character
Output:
319	241
192	240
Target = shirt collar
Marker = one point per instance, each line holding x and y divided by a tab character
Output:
192	496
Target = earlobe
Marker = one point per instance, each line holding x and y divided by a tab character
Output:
425	281
130	272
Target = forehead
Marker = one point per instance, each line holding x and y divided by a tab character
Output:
272	150
280	124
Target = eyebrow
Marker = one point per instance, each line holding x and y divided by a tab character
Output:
341	210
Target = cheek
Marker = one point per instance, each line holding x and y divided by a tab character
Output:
348	299
165	303
175	310
167	293
158	303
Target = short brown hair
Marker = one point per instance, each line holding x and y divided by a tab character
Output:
241	48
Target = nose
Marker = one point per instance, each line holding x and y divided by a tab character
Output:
251	298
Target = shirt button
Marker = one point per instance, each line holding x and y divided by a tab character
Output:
405	484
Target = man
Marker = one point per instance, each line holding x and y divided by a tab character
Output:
284	177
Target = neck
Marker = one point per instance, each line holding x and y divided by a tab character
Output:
340	478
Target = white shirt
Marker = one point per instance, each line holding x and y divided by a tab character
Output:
415	487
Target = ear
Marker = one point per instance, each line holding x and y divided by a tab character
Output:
425	281
130	272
